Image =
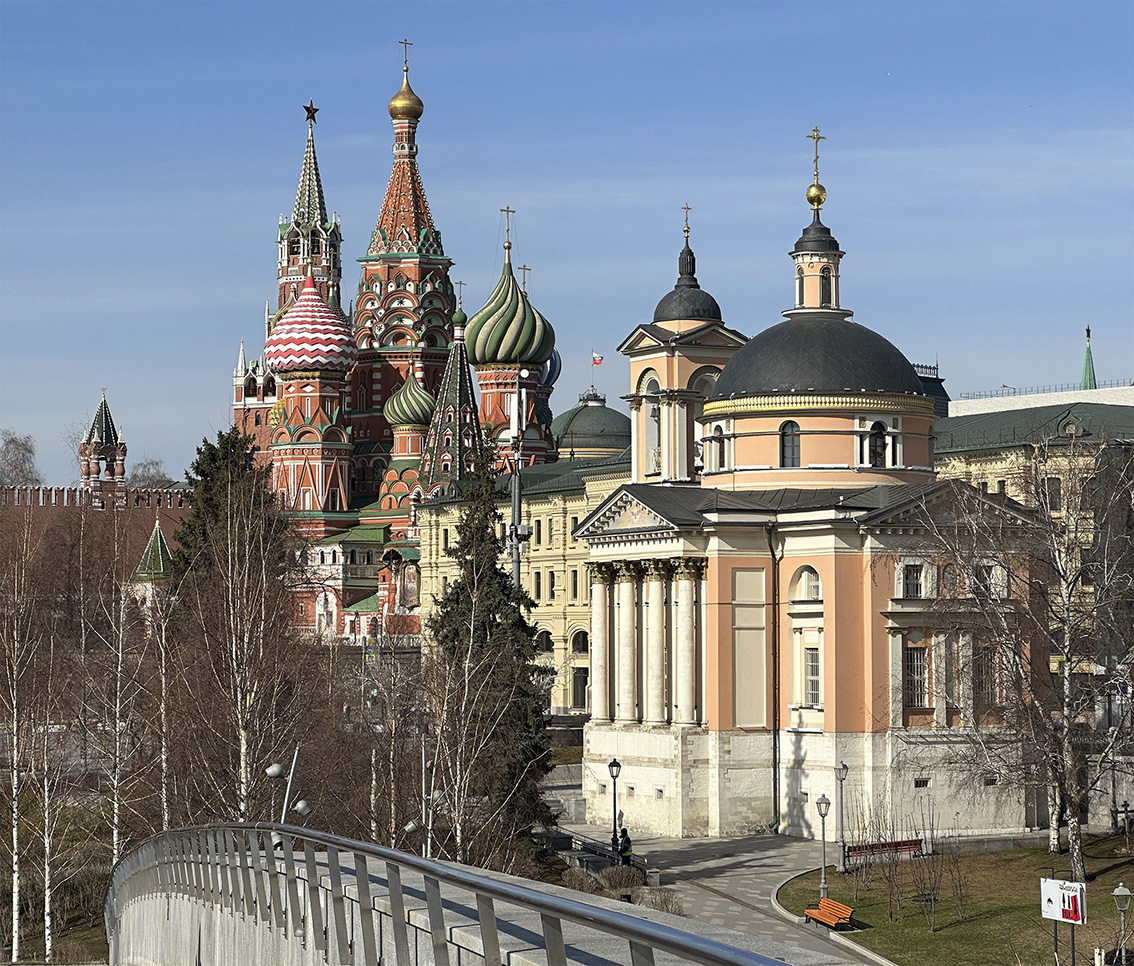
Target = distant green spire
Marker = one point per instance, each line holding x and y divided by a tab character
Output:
1088	380
157	561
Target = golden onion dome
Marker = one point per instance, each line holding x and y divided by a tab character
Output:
406	104
816	194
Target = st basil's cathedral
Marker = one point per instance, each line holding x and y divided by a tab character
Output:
363	413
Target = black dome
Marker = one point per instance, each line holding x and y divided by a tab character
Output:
687	300
817	355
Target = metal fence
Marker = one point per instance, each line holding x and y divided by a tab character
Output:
292	879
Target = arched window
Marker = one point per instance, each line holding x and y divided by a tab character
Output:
293	244
314	244
250	389
717	456
876	445
825	289
789	444
269	386
807	585
799	287
580	644
544	643
653	430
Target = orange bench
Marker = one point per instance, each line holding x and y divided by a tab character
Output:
831	913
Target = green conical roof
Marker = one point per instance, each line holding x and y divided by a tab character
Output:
409	406
310	208
509	330
157	560
102	429
1088	380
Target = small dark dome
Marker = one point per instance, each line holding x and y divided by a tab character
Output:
687	300
824	354
816	237
591	426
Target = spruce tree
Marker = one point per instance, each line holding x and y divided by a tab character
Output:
487	693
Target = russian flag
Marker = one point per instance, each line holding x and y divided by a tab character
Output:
596	359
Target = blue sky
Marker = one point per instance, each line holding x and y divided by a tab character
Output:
978	165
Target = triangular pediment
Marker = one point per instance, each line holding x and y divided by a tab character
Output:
949	502
622	514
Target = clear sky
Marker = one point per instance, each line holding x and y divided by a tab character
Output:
978	166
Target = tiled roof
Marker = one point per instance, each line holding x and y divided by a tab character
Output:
310	208
102	429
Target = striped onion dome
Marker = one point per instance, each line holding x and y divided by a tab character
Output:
550	370
508	330
409	406
310	336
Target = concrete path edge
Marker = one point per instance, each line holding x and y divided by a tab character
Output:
837	938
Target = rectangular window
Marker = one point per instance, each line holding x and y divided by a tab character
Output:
538	585
579	687
1053	494
916	678
574	584
811	676
985	678
538	539
921	783
912	582
982	581
574	527
551	585
445	539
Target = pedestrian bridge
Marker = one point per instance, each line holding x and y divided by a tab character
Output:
289	896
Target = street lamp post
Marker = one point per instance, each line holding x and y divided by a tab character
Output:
1122	901
841	776
823	803
615	768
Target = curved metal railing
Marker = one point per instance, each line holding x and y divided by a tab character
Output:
258	871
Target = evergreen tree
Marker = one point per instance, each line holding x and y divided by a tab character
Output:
487	694
223	471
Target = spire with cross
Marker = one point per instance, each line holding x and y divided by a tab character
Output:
406	45
685	207
507	213
460	293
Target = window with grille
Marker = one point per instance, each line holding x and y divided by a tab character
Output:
912	582
916	678
986	689
811	676
876	445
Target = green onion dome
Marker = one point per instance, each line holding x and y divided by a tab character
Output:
410	405
509	330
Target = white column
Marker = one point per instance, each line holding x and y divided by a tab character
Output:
600	680
665	437
939	679
655	711
626	643
897	678
637	440
686	663
683	461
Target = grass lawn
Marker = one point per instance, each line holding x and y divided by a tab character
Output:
1002	923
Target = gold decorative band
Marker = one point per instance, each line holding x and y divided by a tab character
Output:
795	402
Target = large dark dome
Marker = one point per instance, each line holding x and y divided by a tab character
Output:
687	301
828	355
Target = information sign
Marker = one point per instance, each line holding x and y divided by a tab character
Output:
1063	901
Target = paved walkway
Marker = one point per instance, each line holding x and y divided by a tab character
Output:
730	882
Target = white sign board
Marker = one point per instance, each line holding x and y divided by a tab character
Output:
1063	901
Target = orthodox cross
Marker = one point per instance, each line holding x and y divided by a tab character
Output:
817	137
686	209
525	270
311	110
460	292
406	45
508	213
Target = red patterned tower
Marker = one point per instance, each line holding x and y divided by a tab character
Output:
405	300
311	351
102	459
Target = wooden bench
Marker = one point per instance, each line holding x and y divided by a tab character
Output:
830	913
884	848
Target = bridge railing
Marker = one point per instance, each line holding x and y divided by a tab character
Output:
291	879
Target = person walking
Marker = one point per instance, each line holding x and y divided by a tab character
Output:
625	847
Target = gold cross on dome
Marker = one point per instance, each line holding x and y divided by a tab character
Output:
508	213
525	270
406	45
816	137
686	209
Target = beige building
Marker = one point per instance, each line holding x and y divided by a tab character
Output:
763	604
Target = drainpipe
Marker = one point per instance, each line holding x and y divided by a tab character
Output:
769	531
